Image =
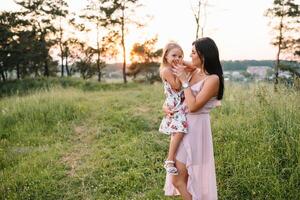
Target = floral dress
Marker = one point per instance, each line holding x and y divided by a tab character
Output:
175	102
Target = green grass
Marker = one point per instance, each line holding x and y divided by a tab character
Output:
27	86
69	139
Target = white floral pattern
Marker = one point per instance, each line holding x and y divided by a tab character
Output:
175	102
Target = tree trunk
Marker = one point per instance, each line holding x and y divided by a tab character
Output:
62	65
61	59
277	63
61	49
5	75
36	69
67	67
46	73
2	75
99	70
123	47
197	18
197	31
98	55
18	71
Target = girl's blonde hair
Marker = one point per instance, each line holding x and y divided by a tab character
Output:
171	45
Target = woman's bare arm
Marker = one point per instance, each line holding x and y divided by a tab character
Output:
209	90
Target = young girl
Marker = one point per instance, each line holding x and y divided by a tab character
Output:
175	125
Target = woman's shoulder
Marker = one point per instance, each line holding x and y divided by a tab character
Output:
212	78
211	81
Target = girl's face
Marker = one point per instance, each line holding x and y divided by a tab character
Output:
175	55
196	60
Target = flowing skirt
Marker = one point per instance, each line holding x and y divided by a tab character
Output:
196	152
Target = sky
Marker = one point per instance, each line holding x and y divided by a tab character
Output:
239	27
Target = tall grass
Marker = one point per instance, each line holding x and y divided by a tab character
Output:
70	142
33	133
257	135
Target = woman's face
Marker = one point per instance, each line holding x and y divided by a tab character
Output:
196	60
174	55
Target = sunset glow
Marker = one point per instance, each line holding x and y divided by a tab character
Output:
239	28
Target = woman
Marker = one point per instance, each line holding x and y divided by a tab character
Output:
196	177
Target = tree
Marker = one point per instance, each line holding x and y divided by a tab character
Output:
66	38
144	59
122	13
6	36
145	52
12	50
42	15
296	48
60	39
200	15
68	42
285	17
97	12
84	64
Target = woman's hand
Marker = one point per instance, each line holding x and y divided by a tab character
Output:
167	111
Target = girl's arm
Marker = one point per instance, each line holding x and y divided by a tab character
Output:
168	76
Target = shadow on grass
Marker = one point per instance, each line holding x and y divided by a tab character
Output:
25	86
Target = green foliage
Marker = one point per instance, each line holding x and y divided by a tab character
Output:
145	52
26	86
145	61
294	68
241	65
28	38
285	21
72	139
144	72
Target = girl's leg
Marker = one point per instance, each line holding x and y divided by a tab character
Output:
174	144
180	181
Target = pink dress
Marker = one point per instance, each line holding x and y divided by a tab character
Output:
196	152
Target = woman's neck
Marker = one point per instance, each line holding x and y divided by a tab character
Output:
202	71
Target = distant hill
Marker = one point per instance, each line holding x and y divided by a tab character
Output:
241	65
228	65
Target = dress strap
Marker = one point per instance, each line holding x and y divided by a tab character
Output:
205	79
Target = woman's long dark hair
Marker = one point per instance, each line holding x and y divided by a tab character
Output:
207	49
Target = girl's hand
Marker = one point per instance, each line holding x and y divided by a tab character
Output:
167	111
177	62
179	71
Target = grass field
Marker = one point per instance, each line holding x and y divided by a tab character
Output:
69	139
